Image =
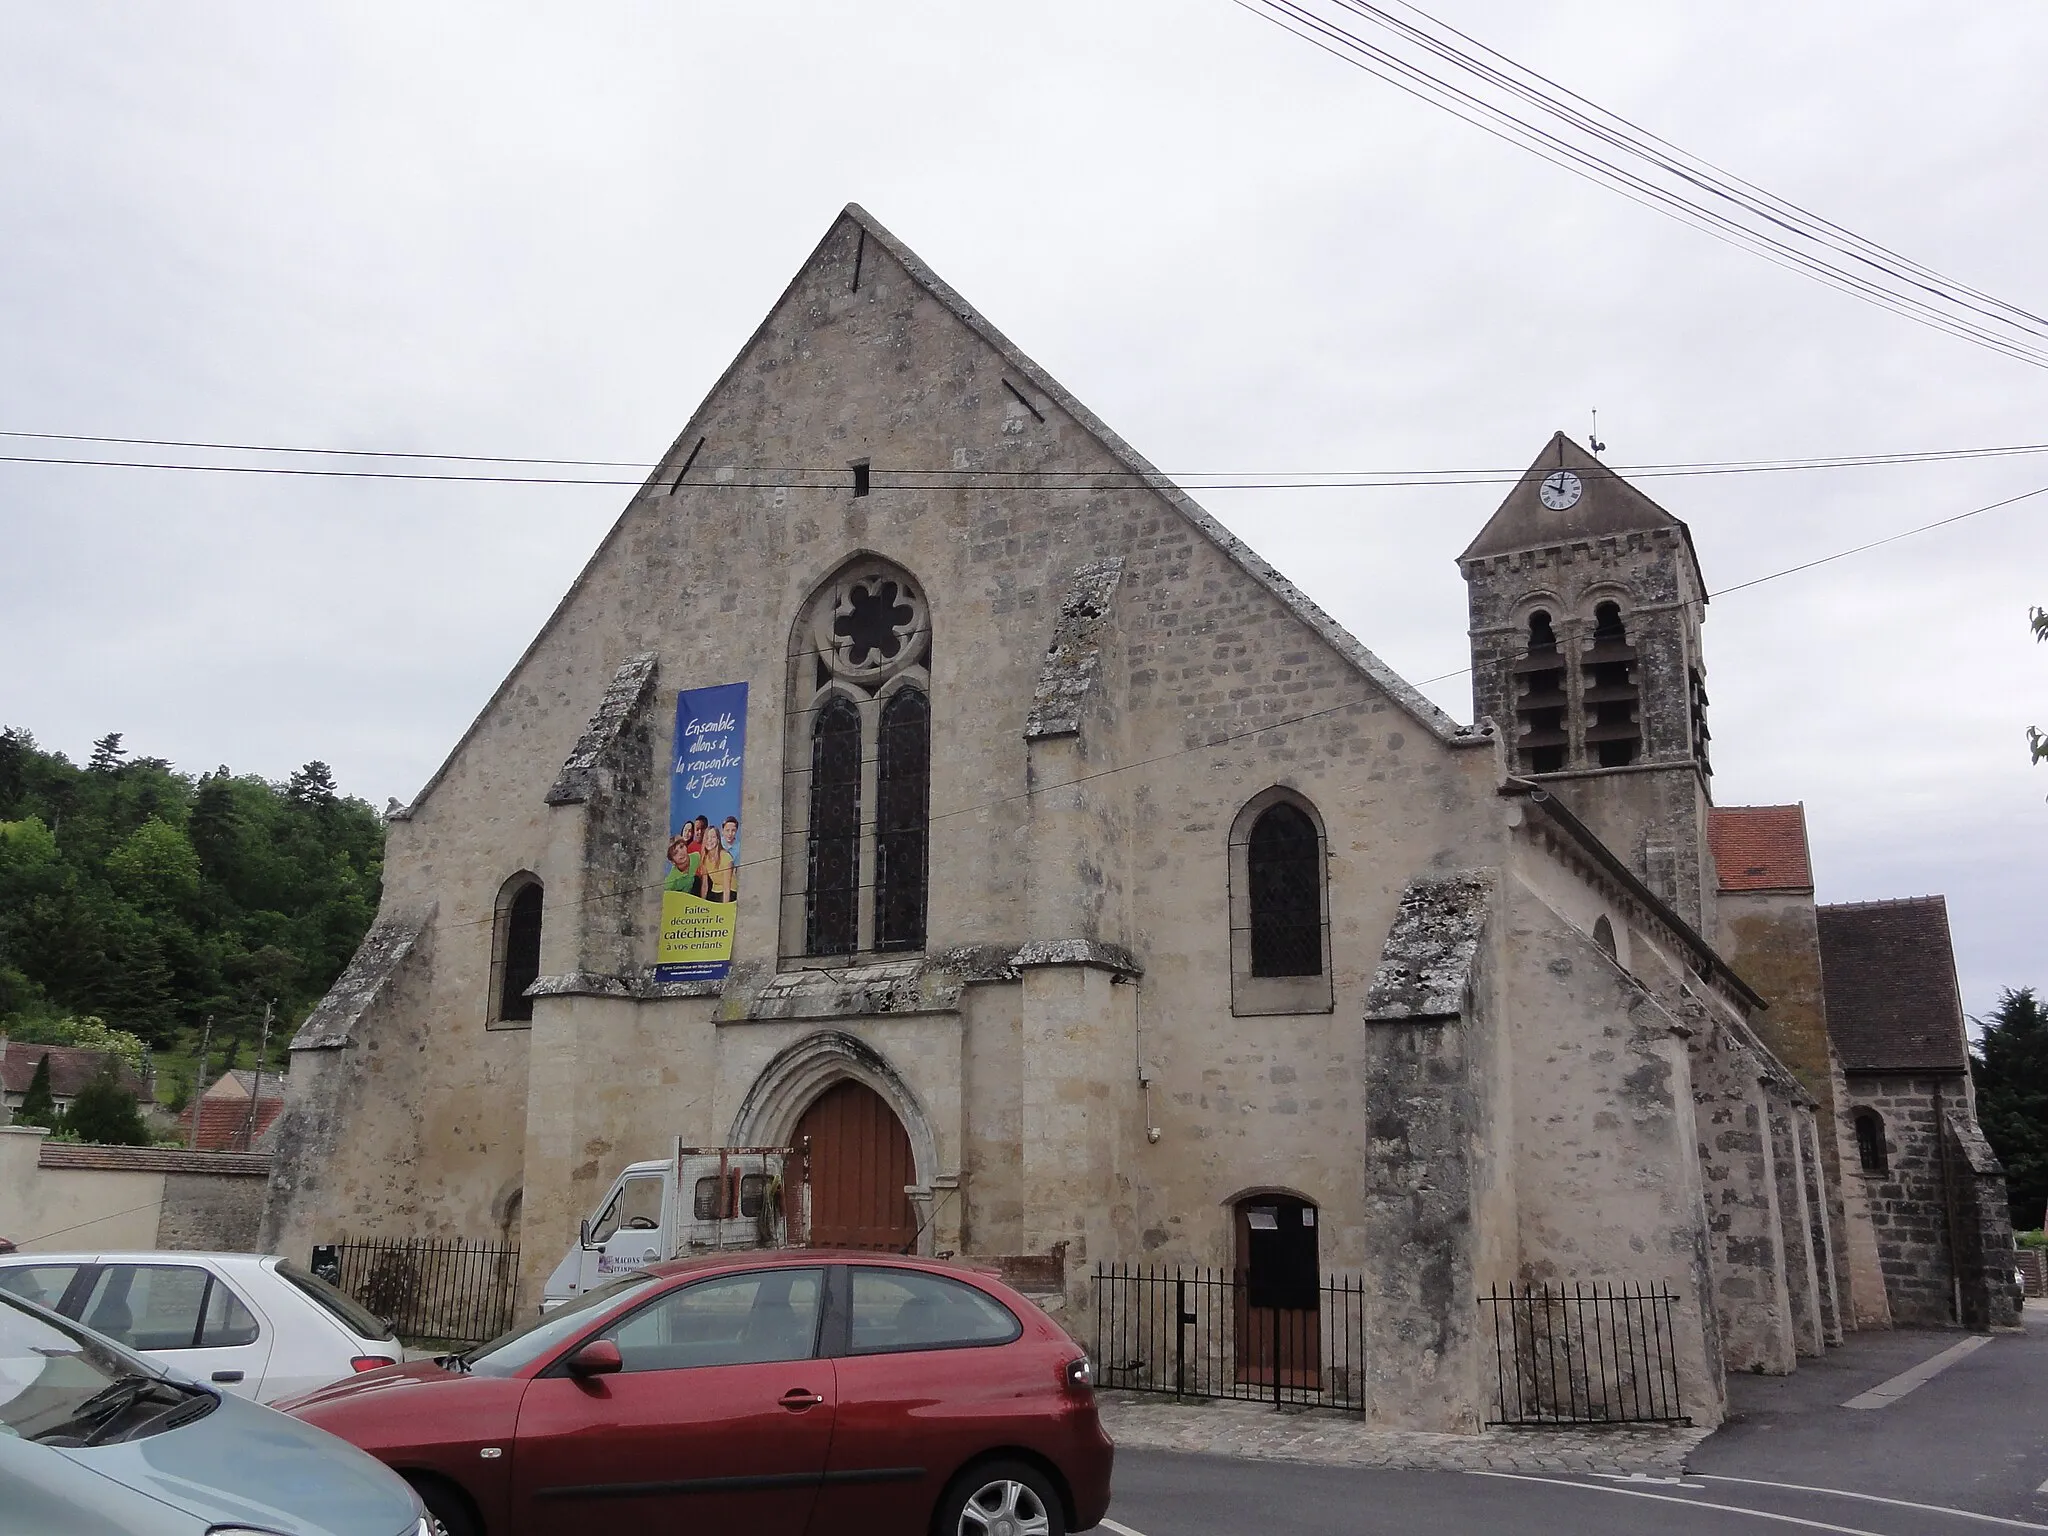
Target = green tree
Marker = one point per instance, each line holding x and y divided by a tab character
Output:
106	1113
155	867
37	1107
2010	1067
313	785
107	753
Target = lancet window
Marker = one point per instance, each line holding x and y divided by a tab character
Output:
1541	742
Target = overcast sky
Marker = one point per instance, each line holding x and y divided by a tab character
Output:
545	230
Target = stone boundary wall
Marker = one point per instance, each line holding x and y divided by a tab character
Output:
65	1197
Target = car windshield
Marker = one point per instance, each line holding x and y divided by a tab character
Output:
63	1386
513	1352
354	1316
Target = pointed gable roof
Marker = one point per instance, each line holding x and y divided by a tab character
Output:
1608	506
1397	688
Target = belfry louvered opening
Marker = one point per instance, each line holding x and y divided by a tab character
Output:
1541	742
1613	733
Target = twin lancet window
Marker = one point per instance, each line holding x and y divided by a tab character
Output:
1610	733
865	735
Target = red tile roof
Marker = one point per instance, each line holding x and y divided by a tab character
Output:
222	1121
1760	847
1888	972
71	1068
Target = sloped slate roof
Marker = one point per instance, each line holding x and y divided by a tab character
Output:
1760	847
1888	971
71	1068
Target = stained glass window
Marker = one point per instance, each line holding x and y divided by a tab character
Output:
903	793
1284	869
832	901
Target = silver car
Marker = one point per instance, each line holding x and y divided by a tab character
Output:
97	1441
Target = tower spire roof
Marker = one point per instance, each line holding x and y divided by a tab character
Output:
1605	505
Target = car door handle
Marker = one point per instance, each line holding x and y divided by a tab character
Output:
227	1376
797	1399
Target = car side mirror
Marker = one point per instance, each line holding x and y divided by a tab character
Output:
583	1233
600	1357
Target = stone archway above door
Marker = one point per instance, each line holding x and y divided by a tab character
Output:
800	1072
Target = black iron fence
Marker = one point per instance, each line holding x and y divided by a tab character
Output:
1590	1354
452	1290
1197	1332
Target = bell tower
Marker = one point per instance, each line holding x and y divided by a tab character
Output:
1586	603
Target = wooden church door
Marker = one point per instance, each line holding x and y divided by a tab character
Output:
859	1163
1279	1300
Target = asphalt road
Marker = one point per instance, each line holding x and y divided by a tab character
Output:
1965	1451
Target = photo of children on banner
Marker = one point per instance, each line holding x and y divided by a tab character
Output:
705	860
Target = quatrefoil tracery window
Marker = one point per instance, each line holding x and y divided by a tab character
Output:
860	750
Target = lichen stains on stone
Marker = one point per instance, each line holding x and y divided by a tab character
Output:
390	941
629	686
1074	659
1426	964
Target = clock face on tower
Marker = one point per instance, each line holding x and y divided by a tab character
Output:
1560	489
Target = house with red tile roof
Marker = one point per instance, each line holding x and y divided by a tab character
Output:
226	1122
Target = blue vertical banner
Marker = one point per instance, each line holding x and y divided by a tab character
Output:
701	890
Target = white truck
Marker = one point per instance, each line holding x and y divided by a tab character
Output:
696	1200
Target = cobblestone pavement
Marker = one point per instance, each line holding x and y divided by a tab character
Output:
1332	1438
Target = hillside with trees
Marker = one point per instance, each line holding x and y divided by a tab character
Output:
150	899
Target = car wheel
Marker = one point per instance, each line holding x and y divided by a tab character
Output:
447	1511
1001	1498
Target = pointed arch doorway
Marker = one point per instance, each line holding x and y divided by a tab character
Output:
859	1164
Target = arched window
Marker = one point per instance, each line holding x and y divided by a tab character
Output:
1870	1147
902	808
1613	734
832	905
1279	914
1284	882
1541	742
515	949
861	717
1603	934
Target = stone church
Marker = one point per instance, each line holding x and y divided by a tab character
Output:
1076	893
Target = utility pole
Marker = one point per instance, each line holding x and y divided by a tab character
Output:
256	1083
198	1094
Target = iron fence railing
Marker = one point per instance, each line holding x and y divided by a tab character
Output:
427	1289
1589	1354
1197	1332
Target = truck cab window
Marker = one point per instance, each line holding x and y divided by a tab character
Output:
636	1208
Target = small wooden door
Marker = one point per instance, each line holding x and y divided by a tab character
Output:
1279	1293
859	1164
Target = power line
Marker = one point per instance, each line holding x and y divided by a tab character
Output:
833	478
1670	181
1284	722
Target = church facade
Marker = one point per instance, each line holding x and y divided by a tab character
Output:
916	775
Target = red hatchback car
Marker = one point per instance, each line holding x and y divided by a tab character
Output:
768	1393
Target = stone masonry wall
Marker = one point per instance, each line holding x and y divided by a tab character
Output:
211	1213
1908	1201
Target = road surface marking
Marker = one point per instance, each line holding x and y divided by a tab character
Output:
1121	1530
1885	1393
1843	1493
1665	1498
